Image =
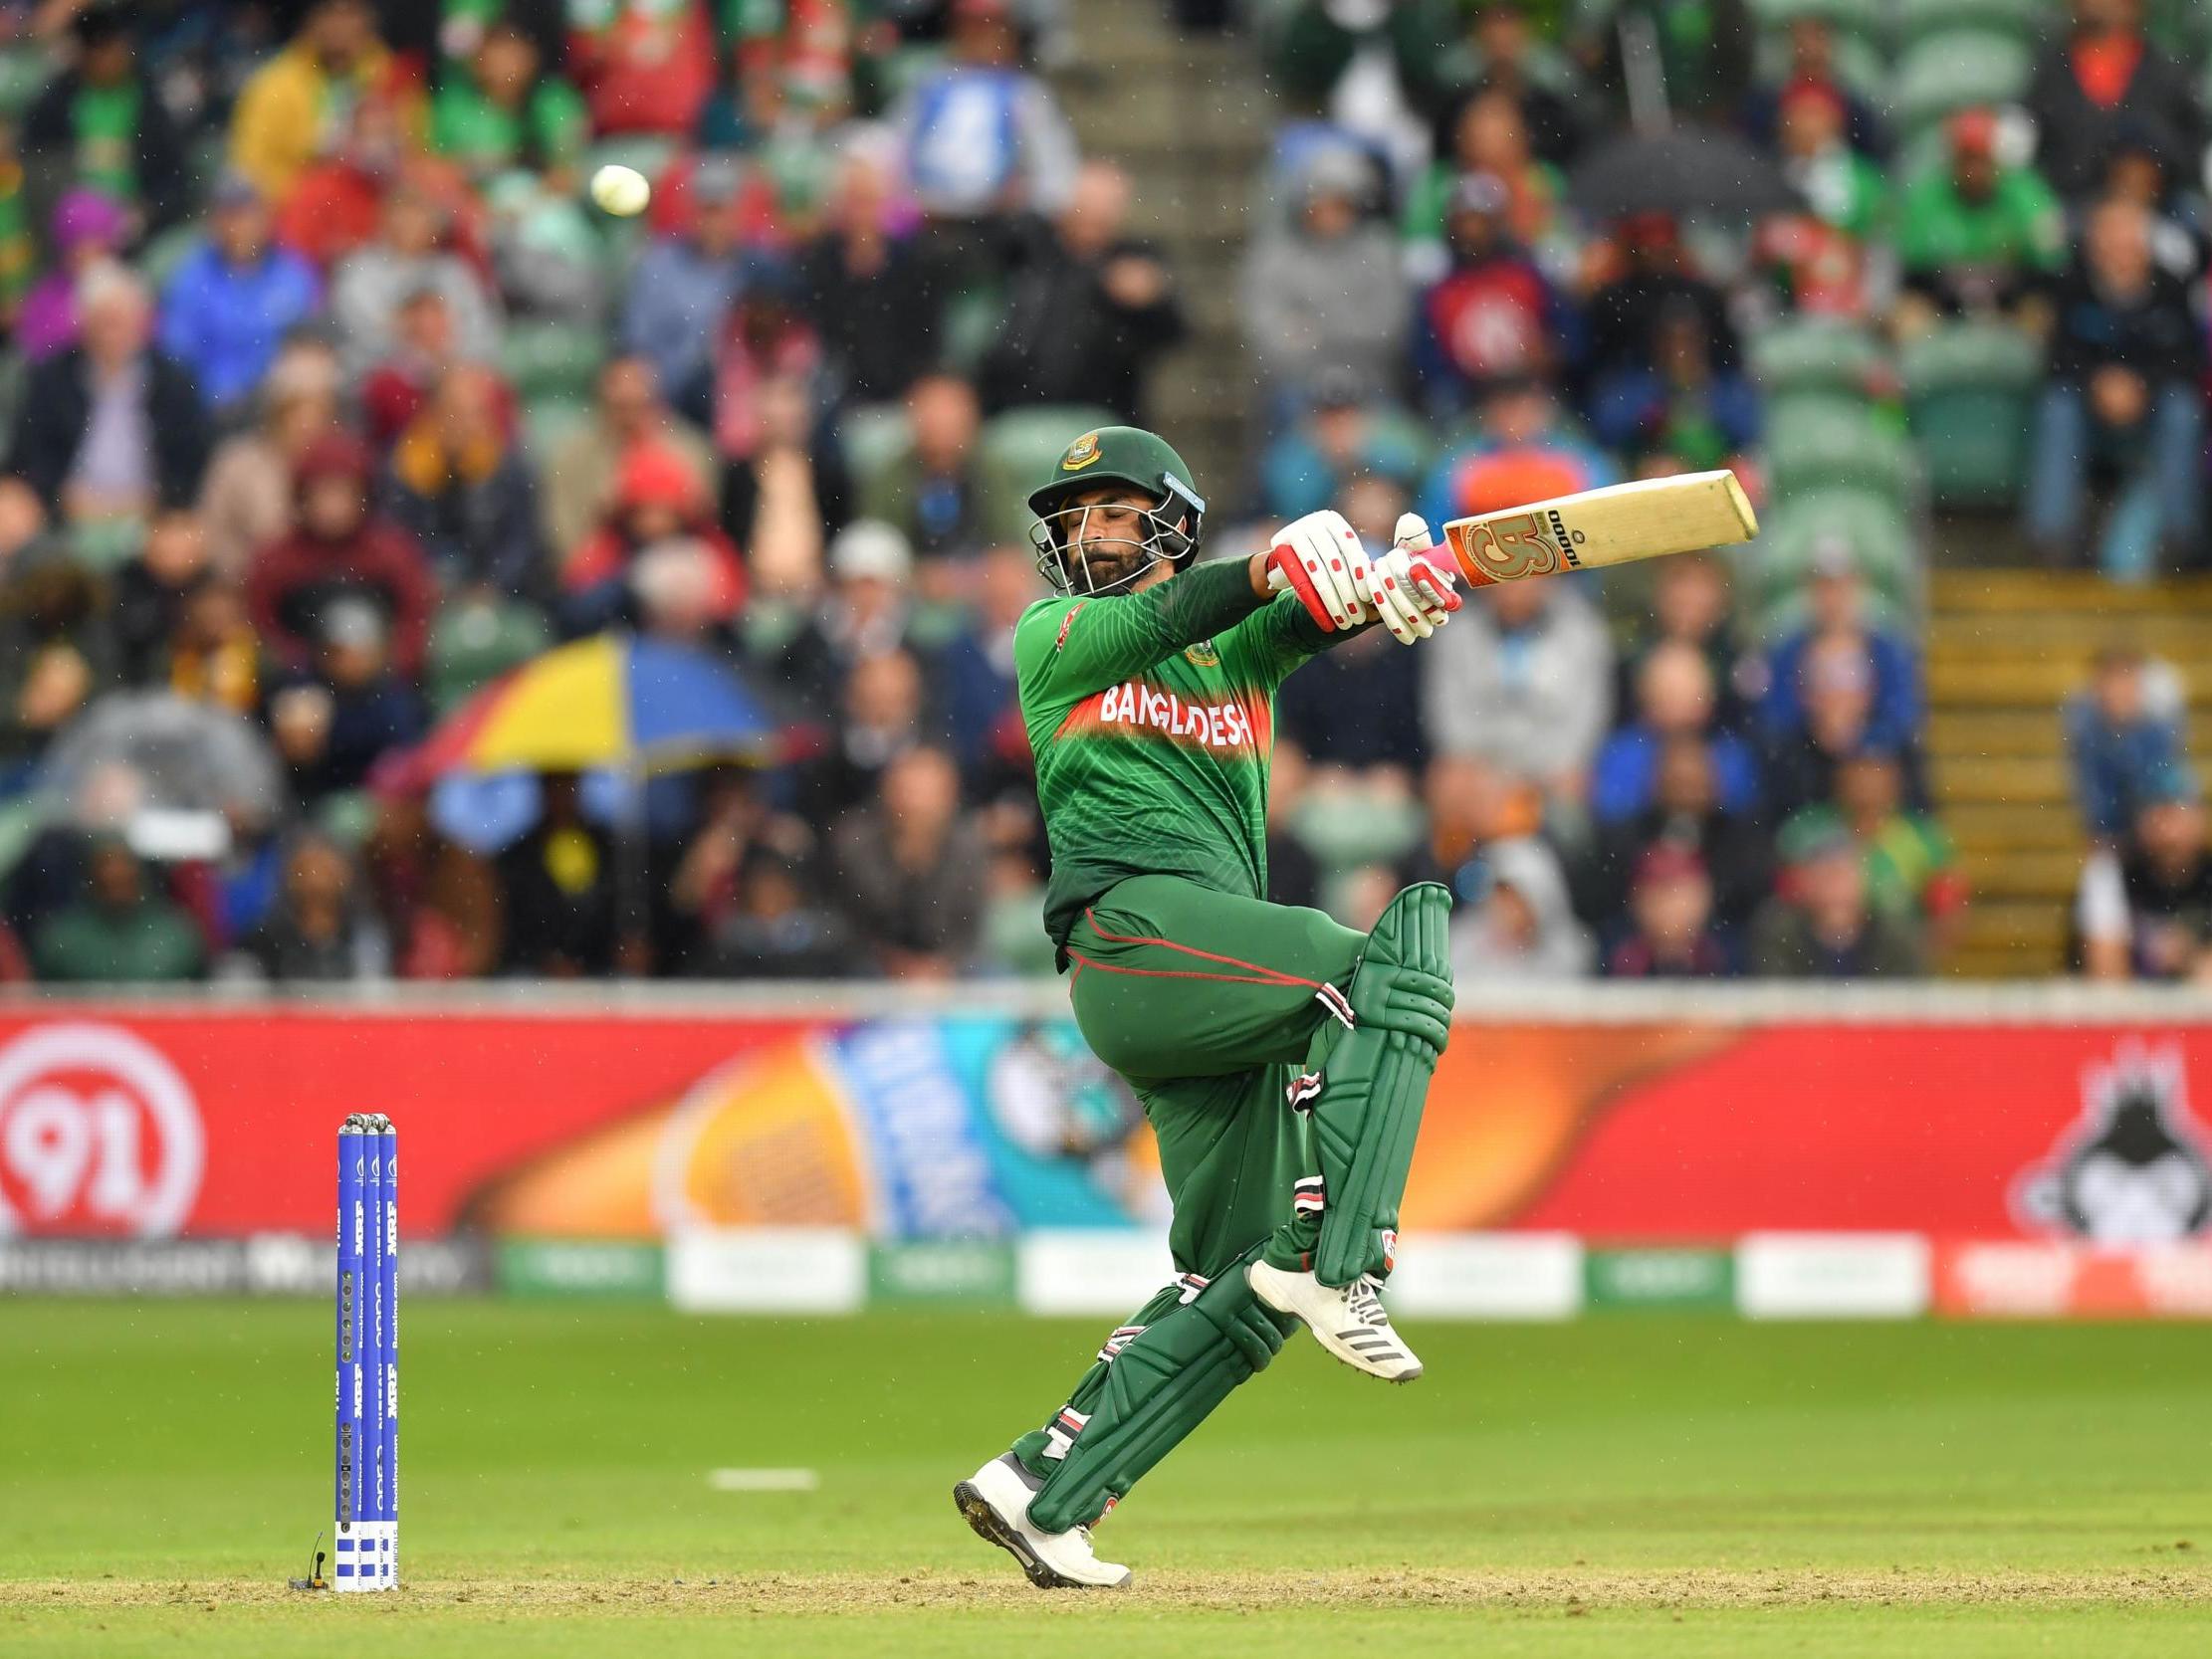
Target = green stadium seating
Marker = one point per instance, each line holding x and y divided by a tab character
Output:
474	642
1970	391
23	73
548	420
1880	535
1018	449
1832	445
1959	69
873	437
551	359
1818	356
2021	20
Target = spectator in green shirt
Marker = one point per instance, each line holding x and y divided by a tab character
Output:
100	122
506	113
1975	235
118	933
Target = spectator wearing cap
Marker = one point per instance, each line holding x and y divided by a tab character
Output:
2126	360
864	613
462	487
933	493
89	229
1671	920
909	867
1491	313
1838	607
872	296
1823	925
657	499
117	932
299	107
2102	81
982	135
629	413
2143	909
339	545
642	67
1089	309
1349	433
408	257
101	121
2124	734
334	720
1522	929
1811	62
1674	700
687	280
246	499
1325	291
507	110
111	429
1977	236
234	297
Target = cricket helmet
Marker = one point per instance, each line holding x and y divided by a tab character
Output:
1126	455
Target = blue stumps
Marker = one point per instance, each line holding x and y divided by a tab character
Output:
367	1537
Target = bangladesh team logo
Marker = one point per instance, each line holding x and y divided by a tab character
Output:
1080	453
99	1134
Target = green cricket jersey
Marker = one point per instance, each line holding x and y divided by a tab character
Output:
1150	717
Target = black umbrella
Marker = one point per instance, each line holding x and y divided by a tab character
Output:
1679	172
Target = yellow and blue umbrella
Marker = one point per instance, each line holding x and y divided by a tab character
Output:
614	702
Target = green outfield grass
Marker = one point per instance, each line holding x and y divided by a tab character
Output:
1648	1484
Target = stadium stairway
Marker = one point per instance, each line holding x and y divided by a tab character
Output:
2005	647
1191	117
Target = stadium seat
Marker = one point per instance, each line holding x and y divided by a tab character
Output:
551	359
1018	449
548	420
1346	830
1818	356
1970	391
873	437
1876	529
1959	69
2023	20
23	73
1861	35
1834	446
475	642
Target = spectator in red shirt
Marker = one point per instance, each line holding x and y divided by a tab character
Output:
657	500
1492	312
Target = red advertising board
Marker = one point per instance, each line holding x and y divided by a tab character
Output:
218	1121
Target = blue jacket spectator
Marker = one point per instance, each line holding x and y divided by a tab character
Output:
1675	698
1344	435
681	293
2124	738
235	296
1839	608
983	135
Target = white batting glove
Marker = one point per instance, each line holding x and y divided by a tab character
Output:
1412	592
1320	560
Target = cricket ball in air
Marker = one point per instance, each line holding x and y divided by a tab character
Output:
619	190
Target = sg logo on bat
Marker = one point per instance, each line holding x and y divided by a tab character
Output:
1512	548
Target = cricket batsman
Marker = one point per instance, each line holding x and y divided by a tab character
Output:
1281	1059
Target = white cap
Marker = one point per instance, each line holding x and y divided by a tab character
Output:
869	547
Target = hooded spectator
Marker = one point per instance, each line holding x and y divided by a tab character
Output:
1522	929
234	298
461	486
1324	291
339	544
111	429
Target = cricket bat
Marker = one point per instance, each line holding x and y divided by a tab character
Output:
1621	522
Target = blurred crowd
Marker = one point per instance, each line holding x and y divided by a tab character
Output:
329	400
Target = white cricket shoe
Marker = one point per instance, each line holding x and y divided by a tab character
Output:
996	1500
1350	1322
